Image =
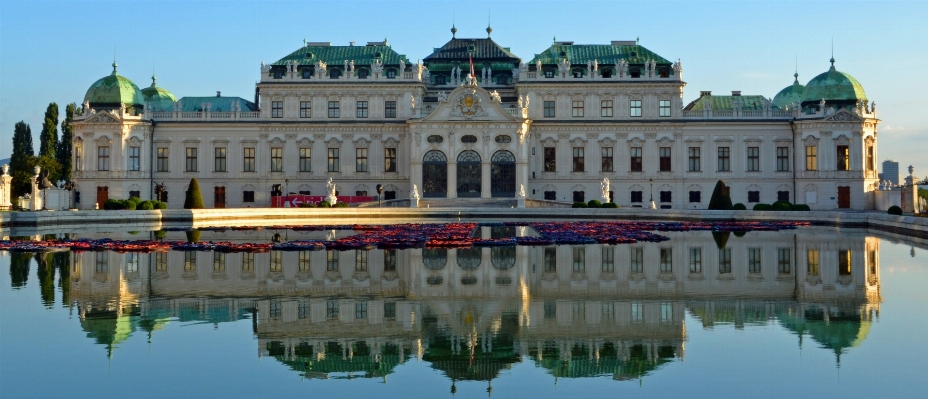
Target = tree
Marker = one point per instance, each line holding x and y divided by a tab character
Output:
48	139
194	199
22	160
63	152
721	200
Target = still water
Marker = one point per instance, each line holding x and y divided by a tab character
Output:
812	312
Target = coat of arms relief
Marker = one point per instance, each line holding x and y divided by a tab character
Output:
468	105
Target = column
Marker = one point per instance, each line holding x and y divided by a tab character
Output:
485	182
452	178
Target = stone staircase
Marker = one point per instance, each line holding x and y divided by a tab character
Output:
468	203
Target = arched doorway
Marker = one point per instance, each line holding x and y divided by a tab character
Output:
434	175
469	174
503	174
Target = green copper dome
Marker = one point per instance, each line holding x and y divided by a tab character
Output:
114	90
158	98
789	95
833	86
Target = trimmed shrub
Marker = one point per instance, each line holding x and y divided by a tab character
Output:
323	204
112	205
611	205
579	205
740	233
721	238
801	208
136	200
194	199
307	205
763	207
739	207
721	200
160	205
145	206
894	210
341	205
128	205
193	236
782	206
594	204
160	234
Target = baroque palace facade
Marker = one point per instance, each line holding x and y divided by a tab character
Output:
556	126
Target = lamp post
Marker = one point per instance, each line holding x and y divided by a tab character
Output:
380	195
652	193
287	182
69	185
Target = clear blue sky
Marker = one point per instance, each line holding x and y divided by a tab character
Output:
53	51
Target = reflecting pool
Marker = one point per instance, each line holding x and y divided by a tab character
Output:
808	312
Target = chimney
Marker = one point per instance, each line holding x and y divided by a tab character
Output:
736	93
218	93
705	93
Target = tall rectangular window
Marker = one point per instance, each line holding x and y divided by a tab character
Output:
724	260
360	310
277	159
306	159
666	260
331	309
664	108
695	260
389	260
634	108
333	160
248	159
605	107
782	159
550	159
637	196
303	310
550	260
304	260
360	159
843	157
331	261
579	258
665	159
191	156
871	165
784	261
576	109
636	260
135	156
190	261
666	312
219	159
724	159
389	159
389	310
162	159
844	262
334	109
276	264
635	153
812	262
362	109
811	157
306	109
753	159
578	159
637	312
389	109
753	196
754	260
666	196
695	163
103	158
248	196
248	262
79	157
607	159
277	109
360	260
608	259
549	109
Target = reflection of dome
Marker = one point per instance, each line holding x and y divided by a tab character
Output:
841	330
790	94
158	98
110	328
114	91
363	361
834	87
610	362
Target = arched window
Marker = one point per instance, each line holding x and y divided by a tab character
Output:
469	258
434	258
434	156
503	157
503	258
469	157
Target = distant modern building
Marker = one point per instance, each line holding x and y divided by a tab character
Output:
891	171
556	125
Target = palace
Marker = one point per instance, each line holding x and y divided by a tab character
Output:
550	129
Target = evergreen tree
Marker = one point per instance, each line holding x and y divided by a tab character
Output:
63	152
721	200
48	139
194	199
22	160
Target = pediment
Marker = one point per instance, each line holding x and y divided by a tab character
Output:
102	117
844	115
470	103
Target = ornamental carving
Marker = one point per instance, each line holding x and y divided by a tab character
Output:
607	142
319	136
549	142
362	143
104	140
134	141
810	140
468	105
578	142
650	136
843	140
102	117
333	143
391	143
305	141
277	141
844	116
636	142
665	142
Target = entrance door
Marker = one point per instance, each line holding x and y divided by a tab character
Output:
844	197
434	175
503	174
219	197
103	194
469	174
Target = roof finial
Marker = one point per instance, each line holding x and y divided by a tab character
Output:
489	20
832	53
796	72
114	60
554	40
638	40
454	30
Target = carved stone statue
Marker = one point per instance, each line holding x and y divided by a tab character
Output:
525	102
442	97
85	108
425	72
521	191
494	96
470	80
519	102
415	192
330	188
595	65
538	66
605	189
377	67
351	66
402	66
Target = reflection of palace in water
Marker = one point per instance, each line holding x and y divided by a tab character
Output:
586	310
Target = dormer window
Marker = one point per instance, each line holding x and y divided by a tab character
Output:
563	54
578	73
391	73
634	54
278	74
634	72
362	73
334	73
377	55
549	73
664	73
607	73
439	79
502	79
307	73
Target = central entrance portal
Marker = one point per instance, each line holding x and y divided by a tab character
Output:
503	174
434	175
469	174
